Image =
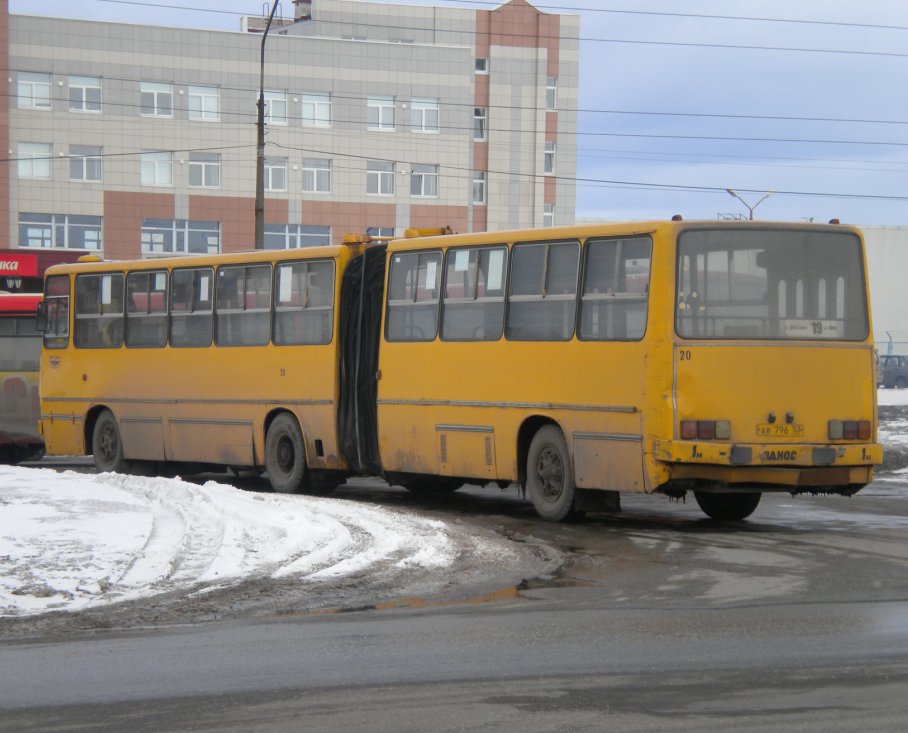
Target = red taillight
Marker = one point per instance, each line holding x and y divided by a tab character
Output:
863	429
688	430
850	429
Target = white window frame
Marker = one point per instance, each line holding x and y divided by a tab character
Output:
549	158
206	167
158	91
88	162
481	65
316	109
157	168
275	107
35	161
480	124
478	192
422	112
379	178
316	175
378	109
86	103
424	181
548	215
551	93
275	167
204	104
33	90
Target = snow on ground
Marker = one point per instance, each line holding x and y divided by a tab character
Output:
892	396
71	541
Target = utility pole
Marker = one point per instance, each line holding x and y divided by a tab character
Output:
750	209
260	146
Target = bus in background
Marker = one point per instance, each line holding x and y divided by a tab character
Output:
726	359
20	353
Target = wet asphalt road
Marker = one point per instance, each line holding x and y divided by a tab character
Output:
658	620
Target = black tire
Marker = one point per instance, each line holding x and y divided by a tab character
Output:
285	456
550	479
727	507
107	446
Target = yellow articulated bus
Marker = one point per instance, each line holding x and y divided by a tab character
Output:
726	359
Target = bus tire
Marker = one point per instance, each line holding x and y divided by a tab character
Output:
550	480
107	446
728	507
285	456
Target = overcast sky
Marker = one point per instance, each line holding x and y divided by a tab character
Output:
683	99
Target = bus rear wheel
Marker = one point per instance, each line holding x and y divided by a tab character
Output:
107	446
550	480
285	456
727	506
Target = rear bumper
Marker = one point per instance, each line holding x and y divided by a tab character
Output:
812	466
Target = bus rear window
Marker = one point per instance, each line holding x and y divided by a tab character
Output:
770	284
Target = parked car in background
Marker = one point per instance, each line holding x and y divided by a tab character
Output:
894	369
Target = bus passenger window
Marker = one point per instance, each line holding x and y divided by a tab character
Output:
474	294
413	295
243	304
191	306
146	309
99	311
56	298
304	303
543	291
613	306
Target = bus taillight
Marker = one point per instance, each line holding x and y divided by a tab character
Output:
849	429
705	429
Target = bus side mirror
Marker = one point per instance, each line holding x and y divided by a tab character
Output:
41	317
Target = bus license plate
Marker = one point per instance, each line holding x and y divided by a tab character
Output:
783	430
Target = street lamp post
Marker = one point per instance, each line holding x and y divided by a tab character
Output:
750	209
260	145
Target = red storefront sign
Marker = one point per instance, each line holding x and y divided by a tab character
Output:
18	265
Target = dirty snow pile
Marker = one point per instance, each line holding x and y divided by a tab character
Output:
70	541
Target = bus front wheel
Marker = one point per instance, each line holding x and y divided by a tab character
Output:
285	456
550	480
107	446
726	506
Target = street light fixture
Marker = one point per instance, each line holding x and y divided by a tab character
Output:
260	145
750	209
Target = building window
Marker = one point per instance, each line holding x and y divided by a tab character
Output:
424	180
548	215
295	236
380	113
549	157
157	169
205	170
85	163
551	92
479	123
479	187
380	232
156	99
316	110
275	107
84	94
482	66
424	115
316	175
34	91
180	236
60	231
35	160
204	104
379	178
275	174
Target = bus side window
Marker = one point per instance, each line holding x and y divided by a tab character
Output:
146	309
543	292
56	303
191	307
99	311
473	308
304	303
413	290
613	306
243	305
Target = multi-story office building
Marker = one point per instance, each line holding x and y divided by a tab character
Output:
141	140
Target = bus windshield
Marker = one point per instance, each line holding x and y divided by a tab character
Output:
770	284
